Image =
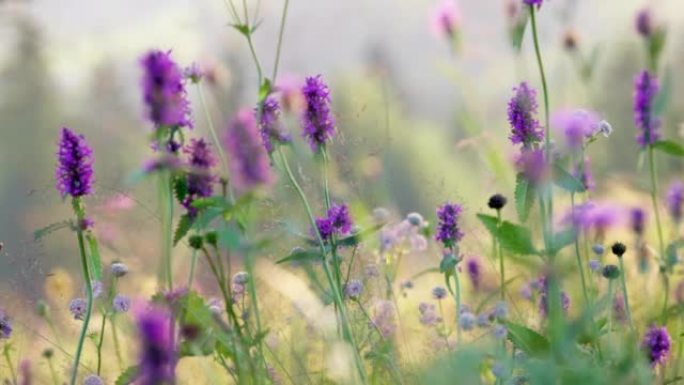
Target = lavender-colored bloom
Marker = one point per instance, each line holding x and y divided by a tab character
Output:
483	320
439	293
467	321
474	272
598	249
325	228
644	22
595	216
78	308
656	344
500	310
249	162
595	265
353	289
675	199
538	3
525	128
317	120
383	318
157	360
164	91
337	222
121	303
96	287
428	314
532	164
119	269
448	231
269	125
193	73
576	126
199	178
415	219
240	278
445	19
93	380
637	220
646	89
5	326
500	331
544	306
74	172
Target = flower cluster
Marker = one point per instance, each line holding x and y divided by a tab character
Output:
164	91
448	231
656	344
675	200
74	165
445	19
646	89
249	163
337	222
5	326
157	356
317	120
522	107
199	178
269	125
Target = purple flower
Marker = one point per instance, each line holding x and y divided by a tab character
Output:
317	120
532	164
157	354
384	319
467	321
249	163
522	108
439	293
448	231
337	222
637	220
5	326
656	344
164	91
121	303
646	89
353	289
193	73
269	126
78	308
119	269
538	3
598	217
576	126
199	178
74	172
644	22
675	199
93	380
543	298
445	18
583	173
428	314
474	272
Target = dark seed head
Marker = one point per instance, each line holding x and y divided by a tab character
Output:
611	272
196	242
497	202
212	238
618	249
48	353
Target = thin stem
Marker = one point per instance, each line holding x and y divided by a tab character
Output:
280	40
13	375
53	373
166	199
193	266
99	344
458	307
89	289
501	259
580	265
212	129
661	245
610	305
623	282
117	346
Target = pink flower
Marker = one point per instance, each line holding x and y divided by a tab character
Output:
445	19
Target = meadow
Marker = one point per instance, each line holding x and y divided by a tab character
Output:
314	229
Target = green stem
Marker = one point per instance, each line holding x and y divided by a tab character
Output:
580	265
193	266
623	281
80	215
13	375
166	199
100	342
280	40
212	129
117	346
502	272
661	244
610	305
53	373
458	307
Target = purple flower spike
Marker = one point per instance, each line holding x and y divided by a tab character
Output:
448	231
532	164
74	172
644	23
317	120
249	163
164	91
525	128
337	222
675	199
474	272
270	127
638	220
5	326
646	89
656	344
157	353
200	180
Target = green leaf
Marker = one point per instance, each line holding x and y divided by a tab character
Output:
264	89
95	258
656	43
184	225
671	252
524	197
302	255
562	239
447	265
195	316
242	28
357	237
527	340
517	32
669	147
663	97
209	202
128	376
180	188
514	238
49	229
567	181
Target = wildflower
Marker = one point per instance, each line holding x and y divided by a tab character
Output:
317	120
269	126
543	298
538	3
500	310
483	320
532	164
428	314
156	352
474	273
199	178
605	128
656	344
594	265
353	289
595	216
445	19
576	126
500	331
93	380
439	293
498	368
497	202
78	307
193	73
618	249
525	128
215	305
415	219
467	321
675	199
598	249
383	318
121	303
337	222
240	278
644	23
249	162
74	172
164	91
5	326
610	272
97	288
646	89
448	231
118	269
638	217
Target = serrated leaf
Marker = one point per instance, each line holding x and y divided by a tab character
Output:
128	376
184	225
524	197
208	202
669	147
49	229
196	317
302	255
567	181
514	238
527	340
180	188
94	257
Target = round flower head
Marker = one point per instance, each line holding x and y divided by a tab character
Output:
157	354
193	73
595	265
164	91
445	19
121	303
439	293
415	219
74	172
5	326
199	178
675	199
467	321
646	89
240	278
428	314
497	202
499	331
353	289
317	120
522	108
598	249
78	308
249	162
656	344
576	126
269	125
448	231
93	380
119	269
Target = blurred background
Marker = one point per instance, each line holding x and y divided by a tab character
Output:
418	122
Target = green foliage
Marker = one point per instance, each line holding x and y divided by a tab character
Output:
669	147
51	228
184	225
180	188
517	31
513	238
565	180
524	197
302	255
127	376
94	258
527	340
358	237
197	325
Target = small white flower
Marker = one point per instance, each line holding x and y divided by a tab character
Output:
605	128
